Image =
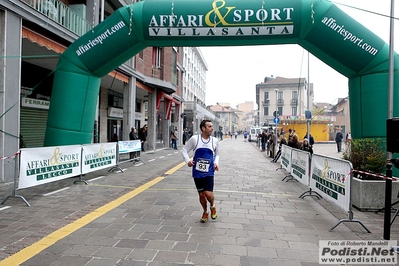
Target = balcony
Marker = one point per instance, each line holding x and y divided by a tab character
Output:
62	14
280	102
294	101
266	103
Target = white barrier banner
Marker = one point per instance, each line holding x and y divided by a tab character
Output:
300	166
129	146
98	156
48	164
286	158
330	177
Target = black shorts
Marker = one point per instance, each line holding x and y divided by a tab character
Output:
204	183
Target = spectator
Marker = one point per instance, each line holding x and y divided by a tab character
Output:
305	146
133	136
338	140
143	137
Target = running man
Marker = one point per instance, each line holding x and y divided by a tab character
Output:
205	163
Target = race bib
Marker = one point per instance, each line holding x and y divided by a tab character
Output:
202	165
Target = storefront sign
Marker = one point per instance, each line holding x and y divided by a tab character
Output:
35	103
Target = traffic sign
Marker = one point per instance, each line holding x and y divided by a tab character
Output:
276	114
276	120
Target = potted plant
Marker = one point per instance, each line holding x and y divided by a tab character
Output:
367	155
368	190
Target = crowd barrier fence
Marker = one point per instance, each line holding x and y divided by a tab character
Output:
327	177
43	165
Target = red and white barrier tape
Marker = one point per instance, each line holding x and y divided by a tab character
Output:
9	157
376	175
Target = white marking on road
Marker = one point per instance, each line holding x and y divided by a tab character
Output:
94	179
56	191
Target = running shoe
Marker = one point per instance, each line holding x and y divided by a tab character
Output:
204	218
213	212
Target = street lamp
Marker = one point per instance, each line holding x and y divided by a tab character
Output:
276	90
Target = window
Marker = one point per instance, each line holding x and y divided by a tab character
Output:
141	54
294	110
175	71
280	110
115	99
157	57
138	106
265	110
266	96
294	95
280	95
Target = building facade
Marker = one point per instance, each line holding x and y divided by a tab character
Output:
145	90
285	96
228	117
194	91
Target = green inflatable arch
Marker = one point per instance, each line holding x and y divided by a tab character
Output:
318	26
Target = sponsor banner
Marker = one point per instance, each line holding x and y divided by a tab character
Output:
210	18
286	158
330	178
129	146
344	252
227	31
98	156
300	166
48	164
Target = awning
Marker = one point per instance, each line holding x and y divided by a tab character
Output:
42	41
59	49
169	100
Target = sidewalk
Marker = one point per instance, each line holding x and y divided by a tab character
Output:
122	219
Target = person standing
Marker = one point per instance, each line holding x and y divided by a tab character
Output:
174	138
305	146
245	136
283	141
338	140
204	164
348	138
294	140
263	140
185	136
143	136
273	144
133	136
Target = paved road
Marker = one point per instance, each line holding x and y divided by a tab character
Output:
149	215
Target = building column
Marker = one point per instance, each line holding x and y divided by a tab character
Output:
129	106
166	127
151	123
10	44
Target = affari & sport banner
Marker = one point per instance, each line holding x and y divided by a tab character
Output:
286	158
44	165
300	166
98	156
129	146
330	178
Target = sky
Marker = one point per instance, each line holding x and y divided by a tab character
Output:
234	71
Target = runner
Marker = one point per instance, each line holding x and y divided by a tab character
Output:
205	163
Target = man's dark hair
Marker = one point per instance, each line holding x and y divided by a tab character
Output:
203	123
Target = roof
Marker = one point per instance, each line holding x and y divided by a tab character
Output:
281	80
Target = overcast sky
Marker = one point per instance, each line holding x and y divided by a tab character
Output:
233	72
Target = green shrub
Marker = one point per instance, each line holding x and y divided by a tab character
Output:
367	155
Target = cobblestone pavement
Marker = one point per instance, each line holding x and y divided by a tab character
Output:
119	218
